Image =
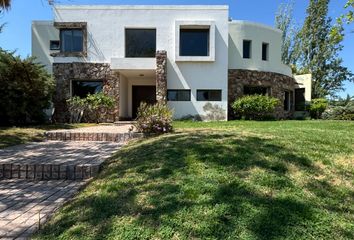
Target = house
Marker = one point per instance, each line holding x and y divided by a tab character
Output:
192	57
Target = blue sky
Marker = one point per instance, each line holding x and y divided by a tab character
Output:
17	33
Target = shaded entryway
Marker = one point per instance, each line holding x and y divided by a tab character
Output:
141	94
136	86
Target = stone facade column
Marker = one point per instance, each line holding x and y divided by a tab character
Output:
61	73
64	73
111	87
161	76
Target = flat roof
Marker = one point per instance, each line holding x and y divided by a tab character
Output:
254	24
143	7
42	22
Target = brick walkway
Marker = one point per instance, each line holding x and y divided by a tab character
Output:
23	203
56	152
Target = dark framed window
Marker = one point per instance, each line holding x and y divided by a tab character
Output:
208	95
194	42
300	101
247	45
140	43
71	40
83	88
288	100
253	90
178	95
54	45
265	50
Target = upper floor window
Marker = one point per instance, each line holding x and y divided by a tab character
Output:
140	42
71	40
194	42
247	46
265	50
208	95
54	45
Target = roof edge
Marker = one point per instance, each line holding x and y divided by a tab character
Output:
255	24
144	7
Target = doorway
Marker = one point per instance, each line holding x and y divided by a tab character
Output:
141	94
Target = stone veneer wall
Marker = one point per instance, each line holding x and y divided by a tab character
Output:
65	72
161	76
278	83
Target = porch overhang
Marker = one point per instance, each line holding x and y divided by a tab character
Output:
133	63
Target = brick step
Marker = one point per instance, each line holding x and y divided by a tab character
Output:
87	136
48	171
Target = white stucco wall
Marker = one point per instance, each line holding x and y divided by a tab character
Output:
258	34
42	33
106	26
123	96
304	81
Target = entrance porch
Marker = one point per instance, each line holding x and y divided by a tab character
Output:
136	86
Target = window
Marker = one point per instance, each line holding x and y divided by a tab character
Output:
194	42
247	45
252	90
54	45
140	43
265	47
300	99
288	100
178	95
71	40
83	88
208	95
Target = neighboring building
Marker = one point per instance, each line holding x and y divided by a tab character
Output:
191	57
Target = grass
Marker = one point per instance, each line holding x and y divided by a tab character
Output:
230	180
10	136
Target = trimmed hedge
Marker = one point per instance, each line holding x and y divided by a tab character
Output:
255	107
317	107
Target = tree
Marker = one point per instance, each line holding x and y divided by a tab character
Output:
26	89
350	15
5	4
320	49
290	38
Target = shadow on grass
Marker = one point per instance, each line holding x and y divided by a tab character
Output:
7	140
195	185
10	136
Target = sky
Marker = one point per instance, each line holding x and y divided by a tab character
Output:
17	33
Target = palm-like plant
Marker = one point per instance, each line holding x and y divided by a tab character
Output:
5	4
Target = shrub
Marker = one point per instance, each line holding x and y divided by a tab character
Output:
317	107
255	107
76	108
93	108
155	118
26	90
99	105
339	112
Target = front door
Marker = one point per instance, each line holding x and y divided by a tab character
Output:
143	94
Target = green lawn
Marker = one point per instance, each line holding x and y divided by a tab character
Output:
230	180
10	136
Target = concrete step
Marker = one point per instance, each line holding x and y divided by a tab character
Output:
48	171
91	136
123	123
